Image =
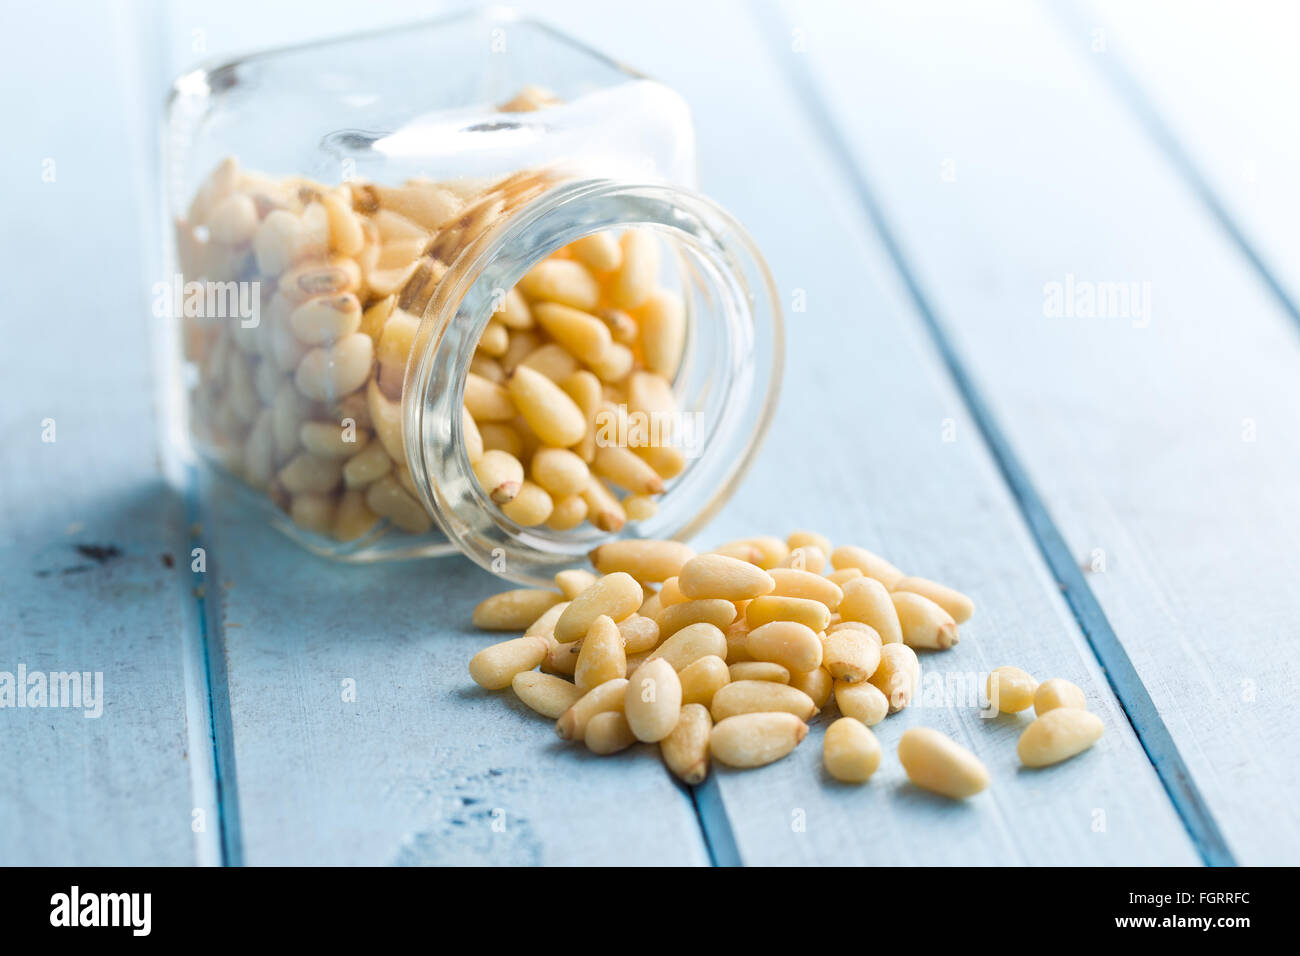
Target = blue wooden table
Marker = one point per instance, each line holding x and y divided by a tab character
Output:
943	185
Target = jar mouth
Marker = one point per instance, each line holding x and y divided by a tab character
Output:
727	385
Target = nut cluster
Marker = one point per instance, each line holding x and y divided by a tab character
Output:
740	647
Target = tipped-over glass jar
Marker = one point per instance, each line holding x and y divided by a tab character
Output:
452	278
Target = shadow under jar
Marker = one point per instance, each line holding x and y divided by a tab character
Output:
446	288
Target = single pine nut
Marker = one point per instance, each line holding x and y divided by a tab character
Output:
530	507
599	252
561	659
573	582
327	374
617	596
671	593
580	333
760	697
513	610
388	498
802	539
1010	689
544	625
812	614
495	340
472	436
690	643
850	751
872	565
601	657
569	512
584	388
737	633
868	601
548	410
346	236
941	765
806	557
493	668
651	394
608	733
816	683
703	678
572	724
640	634
713	611
563	281
864	701
794	646
639	269
924	623
898	675
686	749
759	670
522	345
500	475
487	401
326	319
603	509
790	582
560	471
487	367
553	361
1058	692
663	332
653	700
648	561
765	551
514	312
951	600
624	468
386	419
310	474
753	740
667	461
1058	735
640	507
851	655
844	575
718	576
550	696
353	519
233	220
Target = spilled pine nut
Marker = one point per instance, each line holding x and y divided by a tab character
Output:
601	657
958	605
573	582
868	601
686	749
851	655
816	683
648	561
759	670
864	701
550	696
493	668
687	645
1010	689
572	724
716	611
616	596
760	696
1058	735
872	565
898	675
1058	692
653	700
702	678
924	623
719	576
809	585
764	610
608	733
754	740
640	633
514	610
936	763
850	751
794	646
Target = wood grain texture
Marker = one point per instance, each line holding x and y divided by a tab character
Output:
88	520
1163	448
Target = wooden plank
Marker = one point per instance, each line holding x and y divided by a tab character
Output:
89	522
886	479
1162	444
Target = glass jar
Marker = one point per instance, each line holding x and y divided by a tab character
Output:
340	284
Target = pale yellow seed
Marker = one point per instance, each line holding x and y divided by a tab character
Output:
601	657
498	437
585	390
561	280
559	471
603	509
569	512
514	610
753	740
640	507
386	418
663	332
715	611
561	659
1058	692
547	694
638	271
686	749
794	646
898	675
530	507
495	340
574	581
608	733
801	539
702	678
851	655
328	373
1058	735
514	312
653	700
868	601
936	763
553	361
764	610
623	468
312	511
388	498
487	401
580	333
544	625
844	575
951	600
326	319
599	252
1011	689
760	696
850	751
550	412
640	634
493	668
690	643
791	582
310	474
572	724
648	561
816	683
353	519
924	623
666	460
863	701
472	436
499	474
765	551
872	565
719	576
617	596
807	557
759	670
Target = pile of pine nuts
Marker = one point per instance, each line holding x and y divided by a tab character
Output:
741	646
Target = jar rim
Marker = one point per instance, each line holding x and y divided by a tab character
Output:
726	266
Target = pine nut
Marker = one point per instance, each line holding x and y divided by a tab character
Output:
653	700
549	411
388	498
1057	692
713	611
898	675
760	696
233	220
844	575
386	418
312	511
599	252
522	345
326	319
487	401
640	634
493	668
686	749
325	374
671	593
759	670
326	440
561	659
648	561
753	740
603	509
367	465
530	507
802	539
310	474
806	557
958	605
1010	689
608	733
868	601
472	436
790	582
765	551
569	512
850	751
580	333
690	643
872	565
938	764
640	507
794	646
560	471
573	582
864	701
924	623
544	624
499	474
550	696
622	467
703	678
572	724
601	657
851	655
513	610
1058	735
812	614
663	332
639	270
515	313
551	360
352	519
718	576
617	596
816	683
563	281
495	340
667	461
584	388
